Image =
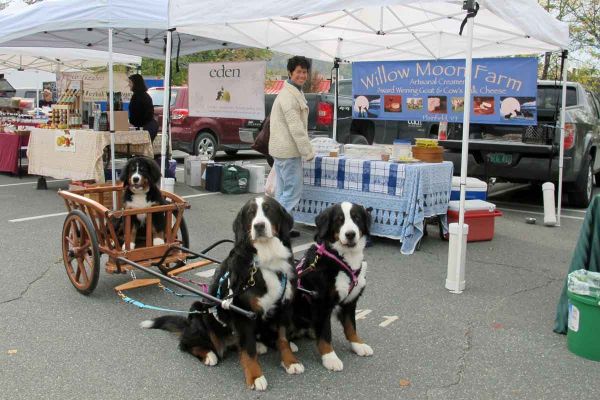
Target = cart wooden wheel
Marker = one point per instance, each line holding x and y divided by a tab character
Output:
80	252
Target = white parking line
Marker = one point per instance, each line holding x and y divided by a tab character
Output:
64	213
533	207
538	213
510	189
32	183
302	247
206	273
191	196
37	217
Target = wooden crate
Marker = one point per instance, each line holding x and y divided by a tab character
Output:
102	198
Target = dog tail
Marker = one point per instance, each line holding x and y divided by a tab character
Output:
167	323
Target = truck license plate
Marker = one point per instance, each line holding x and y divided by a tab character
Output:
500	158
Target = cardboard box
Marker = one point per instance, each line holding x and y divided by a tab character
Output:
121	121
193	170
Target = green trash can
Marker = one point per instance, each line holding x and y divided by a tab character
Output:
583	336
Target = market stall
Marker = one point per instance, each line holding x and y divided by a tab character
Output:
401	195
78	153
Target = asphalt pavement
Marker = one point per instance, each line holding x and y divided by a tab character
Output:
493	341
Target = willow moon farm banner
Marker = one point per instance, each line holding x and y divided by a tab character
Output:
227	89
503	90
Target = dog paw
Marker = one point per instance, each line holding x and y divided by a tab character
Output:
147	324
294	369
211	359
332	362
261	348
260	384
131	246
293	347
158	241
362	349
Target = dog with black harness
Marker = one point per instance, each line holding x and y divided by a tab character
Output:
334	271
257	275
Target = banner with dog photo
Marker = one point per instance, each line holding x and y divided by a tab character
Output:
227	89
503	89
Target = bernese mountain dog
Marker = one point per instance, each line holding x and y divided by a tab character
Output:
140	178
334	271
257	275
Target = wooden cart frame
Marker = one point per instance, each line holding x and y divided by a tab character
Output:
91	229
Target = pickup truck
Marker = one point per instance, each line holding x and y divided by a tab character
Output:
530	153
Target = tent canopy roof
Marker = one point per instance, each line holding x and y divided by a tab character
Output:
139	27
355	30
46	59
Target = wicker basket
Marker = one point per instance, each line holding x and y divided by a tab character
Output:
428	154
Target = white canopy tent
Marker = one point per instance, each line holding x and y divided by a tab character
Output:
47	59
361	30
136	27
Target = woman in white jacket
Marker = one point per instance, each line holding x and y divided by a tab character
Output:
289	142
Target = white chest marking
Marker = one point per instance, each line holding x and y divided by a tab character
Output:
274	288
342	284
139	201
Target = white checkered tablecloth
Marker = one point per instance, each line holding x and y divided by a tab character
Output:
352	174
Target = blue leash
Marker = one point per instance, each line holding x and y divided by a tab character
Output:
141	305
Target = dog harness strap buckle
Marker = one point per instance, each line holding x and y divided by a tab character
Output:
253	271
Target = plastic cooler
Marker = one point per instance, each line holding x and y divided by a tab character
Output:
479	215
476	189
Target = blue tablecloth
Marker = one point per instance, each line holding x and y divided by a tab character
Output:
401	195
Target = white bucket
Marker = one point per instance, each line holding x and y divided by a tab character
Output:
168	185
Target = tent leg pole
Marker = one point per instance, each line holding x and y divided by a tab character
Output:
166	108
456	261
111	104
561	155
336	66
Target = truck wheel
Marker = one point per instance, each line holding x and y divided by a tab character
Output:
231	152
582	195
205	145
356	139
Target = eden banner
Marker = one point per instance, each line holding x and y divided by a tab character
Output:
503	90
227	89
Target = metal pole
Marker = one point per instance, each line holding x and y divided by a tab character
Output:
111	104
465	152
166	106
37	96
562	135
336	65
248	314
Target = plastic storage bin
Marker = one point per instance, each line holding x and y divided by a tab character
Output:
479	215
476	189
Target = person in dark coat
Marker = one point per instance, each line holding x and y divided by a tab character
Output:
141	109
